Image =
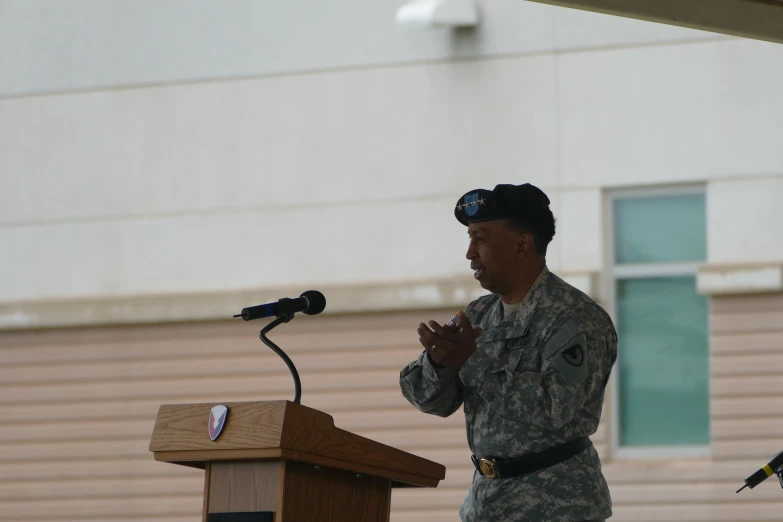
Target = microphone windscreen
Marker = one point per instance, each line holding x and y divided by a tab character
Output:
316	302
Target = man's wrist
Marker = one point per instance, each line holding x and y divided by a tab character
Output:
433	363
434	371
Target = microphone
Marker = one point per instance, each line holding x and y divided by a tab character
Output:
774	466
311	302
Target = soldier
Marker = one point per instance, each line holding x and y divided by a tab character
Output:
528	362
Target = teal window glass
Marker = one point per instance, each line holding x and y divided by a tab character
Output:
660	229
664	374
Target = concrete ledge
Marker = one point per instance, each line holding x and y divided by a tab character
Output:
453	293
740	279
447	293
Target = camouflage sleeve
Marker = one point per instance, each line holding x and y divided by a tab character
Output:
430	390
576	360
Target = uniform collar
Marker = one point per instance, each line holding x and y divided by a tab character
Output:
519	325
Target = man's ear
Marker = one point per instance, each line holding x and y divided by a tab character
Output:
525	245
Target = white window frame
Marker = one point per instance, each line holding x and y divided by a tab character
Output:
616	273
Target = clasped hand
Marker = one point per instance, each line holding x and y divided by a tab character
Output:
449	345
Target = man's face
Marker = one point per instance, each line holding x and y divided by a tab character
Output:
494	254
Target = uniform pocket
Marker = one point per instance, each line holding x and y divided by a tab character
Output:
520	356
513	356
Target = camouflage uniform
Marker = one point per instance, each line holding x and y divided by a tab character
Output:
536	380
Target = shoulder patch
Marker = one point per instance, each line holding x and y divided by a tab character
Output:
575	355
566	351
559	339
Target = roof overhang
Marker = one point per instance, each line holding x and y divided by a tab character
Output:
756	19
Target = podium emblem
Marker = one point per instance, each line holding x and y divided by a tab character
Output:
217	419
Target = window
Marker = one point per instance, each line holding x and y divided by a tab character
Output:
661	392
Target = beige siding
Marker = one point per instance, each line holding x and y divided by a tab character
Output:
78	407
747	376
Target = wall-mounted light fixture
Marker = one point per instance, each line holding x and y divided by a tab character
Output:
428	14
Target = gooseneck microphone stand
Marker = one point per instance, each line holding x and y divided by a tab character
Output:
283	318
311	302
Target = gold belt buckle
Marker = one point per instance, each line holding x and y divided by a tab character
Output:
488	468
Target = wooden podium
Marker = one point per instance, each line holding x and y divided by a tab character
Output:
283	462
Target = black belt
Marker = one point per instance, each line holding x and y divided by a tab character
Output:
530	463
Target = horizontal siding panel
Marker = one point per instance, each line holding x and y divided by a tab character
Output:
756	321
747	342
96	489
760	449
329	402
73	348
440	515
729	407
685	471
762	385
732	305
251	385
416	440
192	517
141	465
702	493
260	364
231	327
738	429
103	509
671	512
74	450
315	334
423	499
407	418
744	510
67	431
747	364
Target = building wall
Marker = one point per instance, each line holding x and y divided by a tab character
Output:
93	45
747	392
171	161
79	406
158	154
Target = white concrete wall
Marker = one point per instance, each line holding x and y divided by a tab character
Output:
745	219
55	45
176	147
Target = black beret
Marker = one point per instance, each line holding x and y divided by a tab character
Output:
504	201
